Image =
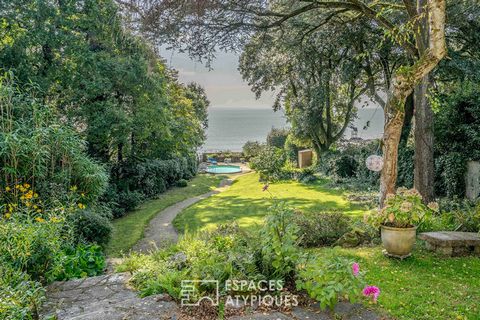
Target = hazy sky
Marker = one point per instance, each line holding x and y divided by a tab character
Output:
224	84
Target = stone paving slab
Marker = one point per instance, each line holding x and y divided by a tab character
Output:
104	298
108	297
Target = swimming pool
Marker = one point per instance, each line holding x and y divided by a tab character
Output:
223	169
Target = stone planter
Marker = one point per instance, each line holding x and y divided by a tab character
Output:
398	242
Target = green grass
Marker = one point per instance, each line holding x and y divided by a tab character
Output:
129	229
247	204
424	286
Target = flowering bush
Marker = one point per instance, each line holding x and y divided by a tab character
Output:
404	209
328	281
33	236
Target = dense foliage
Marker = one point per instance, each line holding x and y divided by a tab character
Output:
277	137
106	83
457	133
92	123
230	253
321	228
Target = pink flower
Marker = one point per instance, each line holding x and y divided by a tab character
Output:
355	269
265	187
371	291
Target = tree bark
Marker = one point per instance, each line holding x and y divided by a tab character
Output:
424	173
394	116
401	86
424	168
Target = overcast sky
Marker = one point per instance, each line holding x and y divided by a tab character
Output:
224	84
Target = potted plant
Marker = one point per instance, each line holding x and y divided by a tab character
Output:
399	218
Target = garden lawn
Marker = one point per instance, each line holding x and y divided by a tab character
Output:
128	229
424	286
246	203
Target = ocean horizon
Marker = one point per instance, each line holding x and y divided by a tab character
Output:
230	127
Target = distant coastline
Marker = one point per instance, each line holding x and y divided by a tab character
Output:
230	127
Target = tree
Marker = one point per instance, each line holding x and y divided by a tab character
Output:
105	82
203	27
252	148
277	137
318	81
200	102
462	65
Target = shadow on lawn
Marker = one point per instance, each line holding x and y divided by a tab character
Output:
247	212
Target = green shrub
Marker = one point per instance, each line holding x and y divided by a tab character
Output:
124	201
321	229
252	149
182	183
450	171
269	163
132	182
346	166
79	262
91	225
360	233
280	239
35	145
20	296
222	254
277	137
456	215
328	281
31	246
306	175
457	135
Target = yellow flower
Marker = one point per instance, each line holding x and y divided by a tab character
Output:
7	189
81	206
26	185
38	219
55	219
8	215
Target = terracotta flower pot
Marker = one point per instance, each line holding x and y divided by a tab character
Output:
398	241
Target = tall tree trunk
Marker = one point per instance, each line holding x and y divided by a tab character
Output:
401	86
394	116
424	173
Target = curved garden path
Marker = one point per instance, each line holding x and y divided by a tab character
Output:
108	297
160	231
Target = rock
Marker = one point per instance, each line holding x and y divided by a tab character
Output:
104	298
452	243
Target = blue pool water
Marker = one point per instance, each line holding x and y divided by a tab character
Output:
223	169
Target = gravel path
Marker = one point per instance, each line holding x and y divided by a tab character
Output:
160	231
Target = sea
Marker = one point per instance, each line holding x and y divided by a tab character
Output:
230	128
